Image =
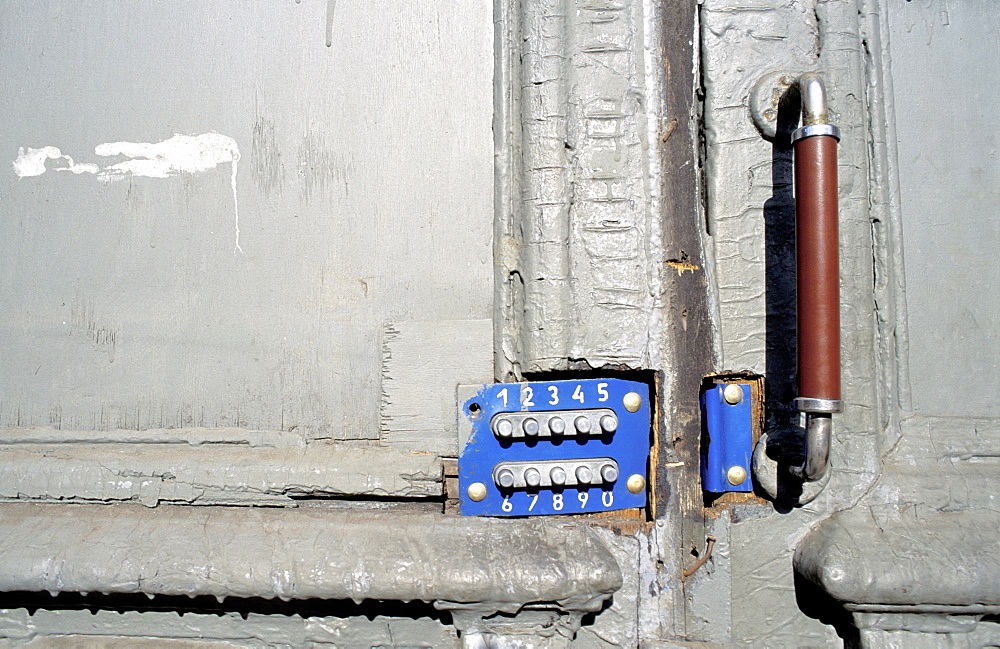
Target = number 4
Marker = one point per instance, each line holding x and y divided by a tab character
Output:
578	393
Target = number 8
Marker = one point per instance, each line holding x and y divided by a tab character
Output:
557	502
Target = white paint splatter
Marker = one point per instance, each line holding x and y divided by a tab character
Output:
31	162
181	154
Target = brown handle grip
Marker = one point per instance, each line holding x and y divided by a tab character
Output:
818	273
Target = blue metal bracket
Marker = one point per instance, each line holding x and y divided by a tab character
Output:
555	447
727	451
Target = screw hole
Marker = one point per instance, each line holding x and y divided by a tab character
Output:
474	408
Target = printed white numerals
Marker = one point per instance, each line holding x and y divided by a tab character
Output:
507	506
607	498
503	395
554	391
584	497
602	390
557	502
578	394
526	394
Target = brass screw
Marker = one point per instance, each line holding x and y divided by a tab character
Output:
733	394
736	475
632	401
636	483
477	491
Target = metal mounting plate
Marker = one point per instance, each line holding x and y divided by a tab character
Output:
626	447
726	457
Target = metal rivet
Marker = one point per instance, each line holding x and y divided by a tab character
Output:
505	478
557	425
582	424
557	475
505	428
736	475
609	473
530	426
632	401
733	394
609	424
532	477
636	483
477	491
584	475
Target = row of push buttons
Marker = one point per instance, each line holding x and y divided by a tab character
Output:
517	425
555	473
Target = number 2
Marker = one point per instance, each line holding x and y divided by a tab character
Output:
526	396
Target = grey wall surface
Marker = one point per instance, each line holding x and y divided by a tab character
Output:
354	189
362	284
944	67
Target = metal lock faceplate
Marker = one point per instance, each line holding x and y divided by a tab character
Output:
554	447
728	448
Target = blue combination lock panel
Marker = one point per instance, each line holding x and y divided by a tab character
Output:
555	447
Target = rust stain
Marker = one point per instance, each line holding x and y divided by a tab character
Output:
682	266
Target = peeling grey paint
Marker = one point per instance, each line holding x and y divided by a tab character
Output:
749	210
161	473
109	629
581	212
480	566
